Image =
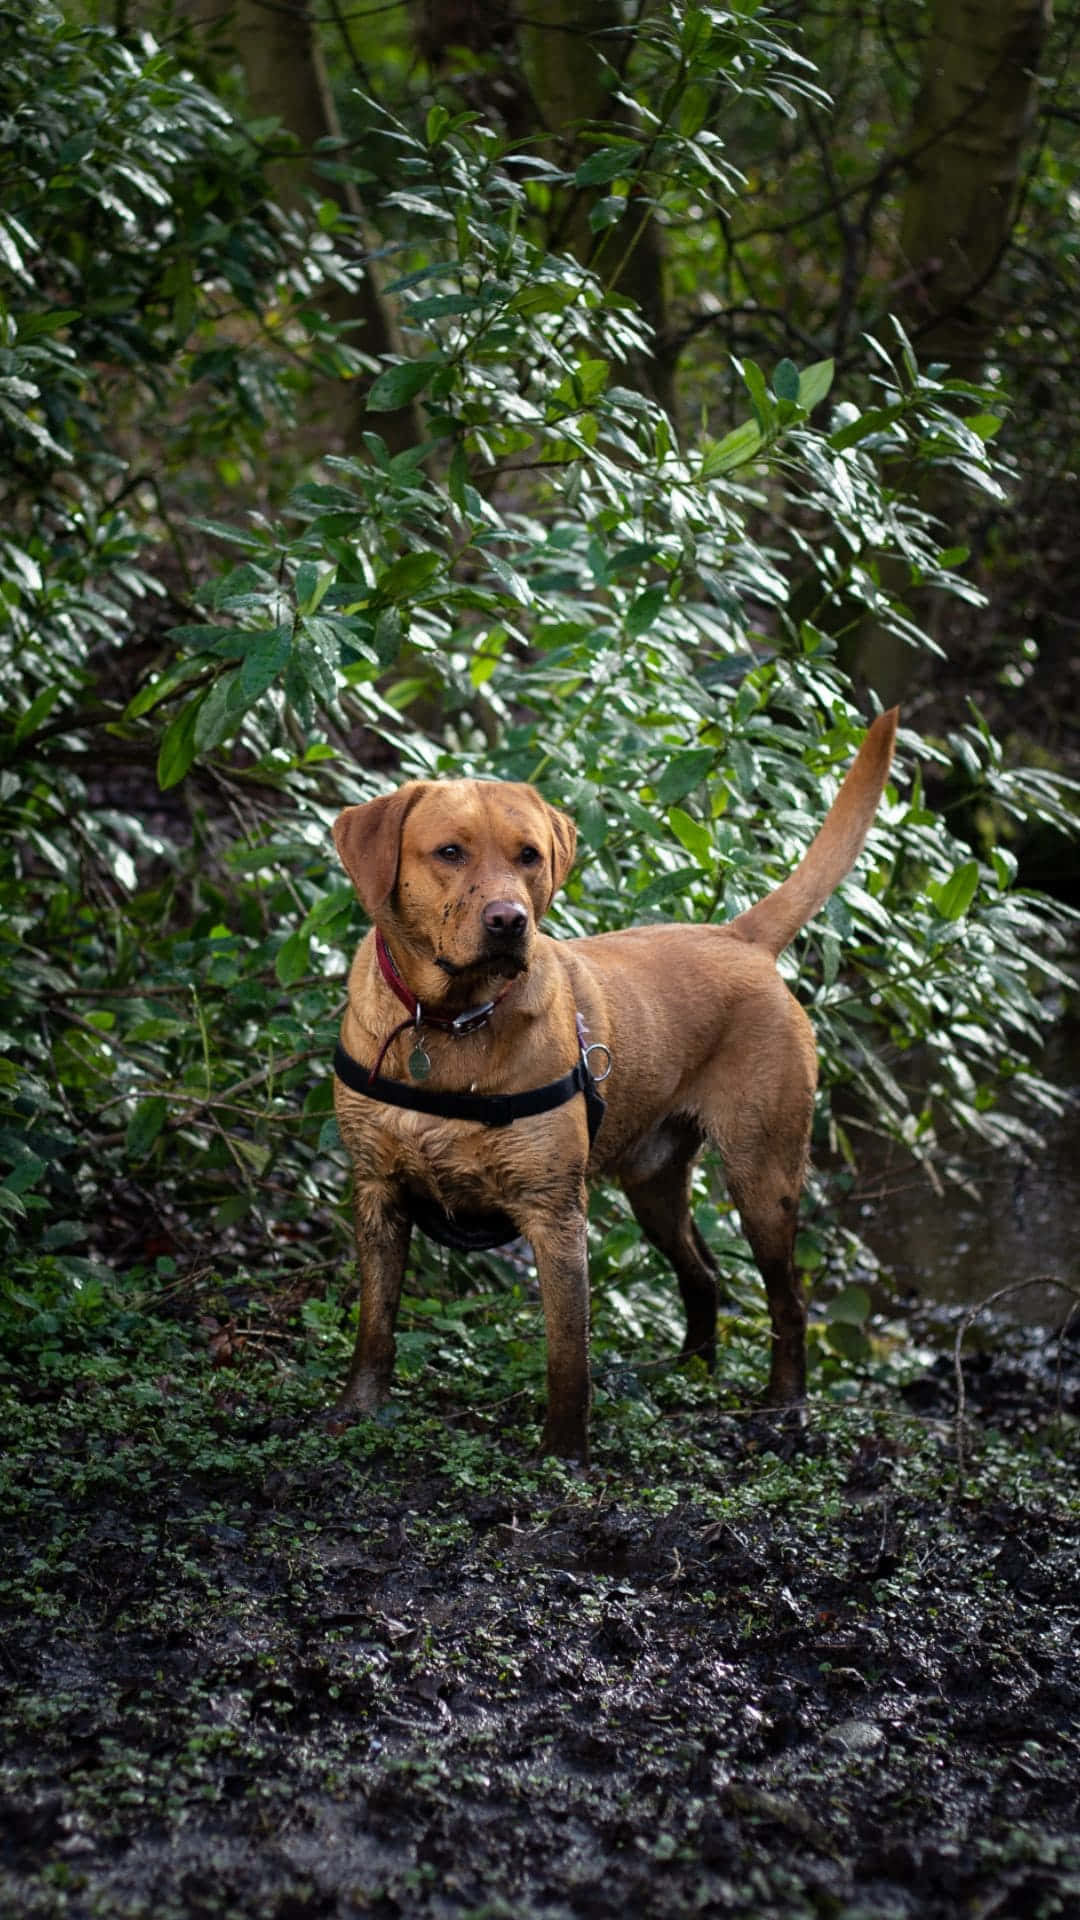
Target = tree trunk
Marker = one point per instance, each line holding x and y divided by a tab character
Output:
971	118
567	49
278	45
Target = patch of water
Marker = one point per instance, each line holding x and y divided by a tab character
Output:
1014	1221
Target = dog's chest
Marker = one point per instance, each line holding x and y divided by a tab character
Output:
460	1163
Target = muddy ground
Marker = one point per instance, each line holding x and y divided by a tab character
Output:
250	1668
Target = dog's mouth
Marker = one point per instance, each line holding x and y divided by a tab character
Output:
502	963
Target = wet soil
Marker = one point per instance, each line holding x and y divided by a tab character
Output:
250	1668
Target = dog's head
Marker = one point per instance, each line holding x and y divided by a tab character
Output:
458	873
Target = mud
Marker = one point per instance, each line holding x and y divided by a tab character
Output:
252	1670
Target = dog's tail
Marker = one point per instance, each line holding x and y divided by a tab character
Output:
775	921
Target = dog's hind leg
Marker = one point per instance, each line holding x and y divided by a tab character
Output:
661	1203
768	1213
760	1115
765	1179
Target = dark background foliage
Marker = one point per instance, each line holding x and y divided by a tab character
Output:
392	393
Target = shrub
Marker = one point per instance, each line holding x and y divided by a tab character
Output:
550	588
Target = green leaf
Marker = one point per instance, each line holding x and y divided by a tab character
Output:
217	716
487	654
607	163
785	382
589	379
32	325
435	125
387	636
548	297
873	421
953	897
253	1151
667	886
760	398
513	581
440	306
265	659
313	580
682	773
25	1174
235	1207
851	1308
292	959
692	834
734	450
607	212
20	565
850	1342
814	383
407	575
810	1250
643	611
36	712
166	683
144	1126
396	386
986	425
177	750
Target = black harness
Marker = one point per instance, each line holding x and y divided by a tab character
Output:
473	1232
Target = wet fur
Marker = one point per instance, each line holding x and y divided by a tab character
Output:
707	1044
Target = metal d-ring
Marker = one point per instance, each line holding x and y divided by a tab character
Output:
597	1046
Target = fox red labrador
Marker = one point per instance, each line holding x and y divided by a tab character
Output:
486	1072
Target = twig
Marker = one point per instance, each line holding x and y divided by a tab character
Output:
1002	1293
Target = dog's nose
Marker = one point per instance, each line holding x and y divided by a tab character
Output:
505	919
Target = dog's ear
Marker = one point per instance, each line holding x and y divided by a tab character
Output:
368	841
564	845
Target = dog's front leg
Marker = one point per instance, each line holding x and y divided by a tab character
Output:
382	1244
559	1244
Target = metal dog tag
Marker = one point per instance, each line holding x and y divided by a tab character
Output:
419	1062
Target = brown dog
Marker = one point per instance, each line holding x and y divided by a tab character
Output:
691	1028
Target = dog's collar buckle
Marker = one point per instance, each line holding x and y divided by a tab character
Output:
473	1018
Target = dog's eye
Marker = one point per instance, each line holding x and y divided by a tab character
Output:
451	852
530	856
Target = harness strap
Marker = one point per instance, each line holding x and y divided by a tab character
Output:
471	1233
490	1109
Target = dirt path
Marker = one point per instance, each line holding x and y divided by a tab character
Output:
251	1671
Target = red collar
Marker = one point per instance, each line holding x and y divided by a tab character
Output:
457	1024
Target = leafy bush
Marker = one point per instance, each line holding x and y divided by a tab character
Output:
551	588
137	267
